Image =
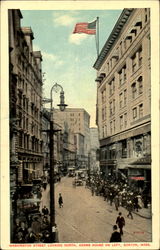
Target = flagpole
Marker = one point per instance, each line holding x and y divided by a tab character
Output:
97	36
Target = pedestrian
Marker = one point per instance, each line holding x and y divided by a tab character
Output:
30	237
120	222
45	210
135	200
111	198
116	202
60	200
36	226
55	233
116	236
92	190
129	208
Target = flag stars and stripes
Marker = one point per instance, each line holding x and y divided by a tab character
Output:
88	28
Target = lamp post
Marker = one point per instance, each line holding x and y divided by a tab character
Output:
62	106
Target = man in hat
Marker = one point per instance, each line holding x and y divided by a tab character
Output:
120	222
116	236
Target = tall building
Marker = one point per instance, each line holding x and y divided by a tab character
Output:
77	121
124	99
25	83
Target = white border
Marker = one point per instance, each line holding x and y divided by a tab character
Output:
67	5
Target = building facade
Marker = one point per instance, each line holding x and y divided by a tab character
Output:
25	100
77	120
124	99
46	140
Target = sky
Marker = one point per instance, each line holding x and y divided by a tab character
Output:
68	58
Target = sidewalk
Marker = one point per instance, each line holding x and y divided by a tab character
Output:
144	212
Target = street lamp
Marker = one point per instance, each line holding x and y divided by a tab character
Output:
62	106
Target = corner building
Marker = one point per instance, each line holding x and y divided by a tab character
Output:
124	100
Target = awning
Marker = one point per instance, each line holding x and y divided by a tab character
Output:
26	185
29	200
140	166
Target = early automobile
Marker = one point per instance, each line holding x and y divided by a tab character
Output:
77	182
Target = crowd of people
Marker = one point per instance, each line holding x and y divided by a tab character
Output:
33	227
118	193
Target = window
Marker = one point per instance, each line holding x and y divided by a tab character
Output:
141	110
103	113
27	104
134	90
134	111
124	68
108	66
120	46
133	62
24	101
121	121
122	75
125	120
20	139
111	108
125	45
140	85
103	95
140	56
112	86
125	97
120	100
103	131
145	15
111	127
114	126
27	123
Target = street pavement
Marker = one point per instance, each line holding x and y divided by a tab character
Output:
86	218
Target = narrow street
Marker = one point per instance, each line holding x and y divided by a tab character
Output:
87	218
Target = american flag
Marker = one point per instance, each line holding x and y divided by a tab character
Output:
88	28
